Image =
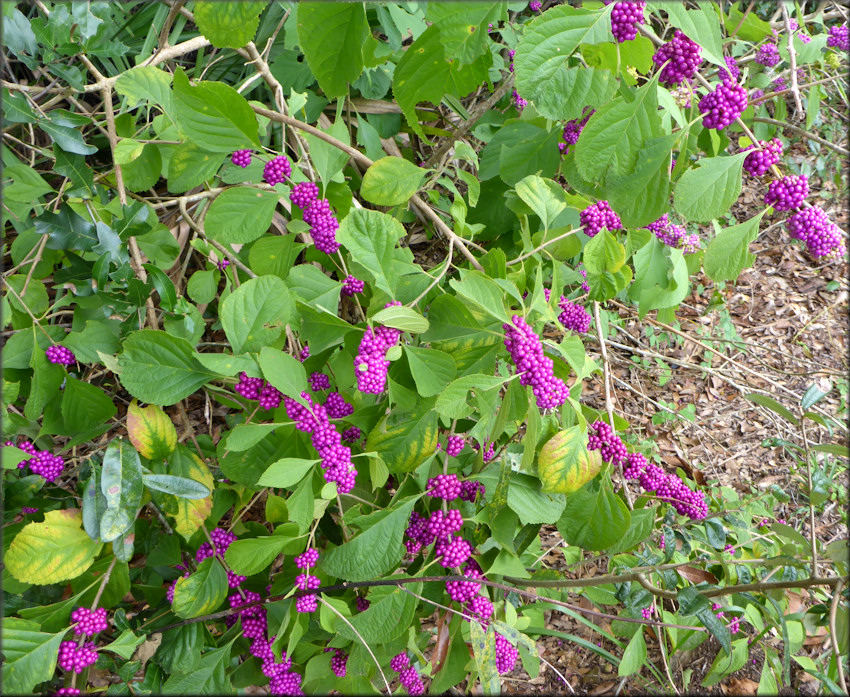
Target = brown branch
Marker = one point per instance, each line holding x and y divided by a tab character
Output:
833	609
801	132
792	56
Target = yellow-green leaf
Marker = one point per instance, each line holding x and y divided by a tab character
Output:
55	550
191	513
151	431
202	592
565	464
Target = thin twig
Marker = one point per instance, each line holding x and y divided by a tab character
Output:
220	247
803	133
812	532
543	246
792	56
833	609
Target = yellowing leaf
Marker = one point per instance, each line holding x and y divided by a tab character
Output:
565	464
151	431
191	513
55	550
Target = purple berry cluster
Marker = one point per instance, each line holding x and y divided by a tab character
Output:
455	445
722	106
371	364
336	458
318	215
733	72
667	487
573	129
337	407
684	55
647	612
609	445
813	227
599	216
257	389
838	37
319	382
89	622
519	102
338	661
762	158
535	5
573	316
362	603
304	194
241	158
68	691
60	355
223	264
277	170
352	435
27	510
444	486
532	366
585	286
674	235
42	462
768	55
506	654
787	193
625	18
352	286
76	658
408	675
305	354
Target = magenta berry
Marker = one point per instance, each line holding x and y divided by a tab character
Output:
480	607
241	158
352	286
337	407
761	160
323	225
470	489
362	603
352	435
89	622
304	194
684	55
74	658
371	364
535	5
277	170
722	106
733	72
307	559
534	368
68	691
768	55
456	552
573	316
47	465
599	216
399	662
235	580
813	226
60	355
837	37
305	354
223	264
573	128
444	486
624	20
519	102
787	193
506	654
319	381
455	445
26	510
338	663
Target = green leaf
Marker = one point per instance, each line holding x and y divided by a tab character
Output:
391	181
482	291
228	24
544	196
633	656
729	252
256	313
16	109
752	29
541	64
226	365
67	137
564	463
661	276
709	190
617	133
125	645
160	369
286	472
401	317
27	184
274	256
531	503
29	655
431	369
463	26
121	484
95	336
643	195
66	230
246	436
35	299
127	150
85	406
214	116
699	25
190	166
284	372
248	557
692	602
375	551
426	73
603	253
723	665
452	402
53	551
404	439
641	527
484	650
202	286
773	405
537	154
208	678
333	37
176	486
146	83
370	237
202	592
594	517
47	378
328	159
12	456
389	614
239	215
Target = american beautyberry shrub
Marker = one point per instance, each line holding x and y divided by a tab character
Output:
534	368
323	225
455	445
761	159
573	128
684	55
722	106
89	622
597	217
371	364
838	37
76	658
319	382
733	72
277	170
337	407
787	193
625	17
60	355
304	194
506	654
241	158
